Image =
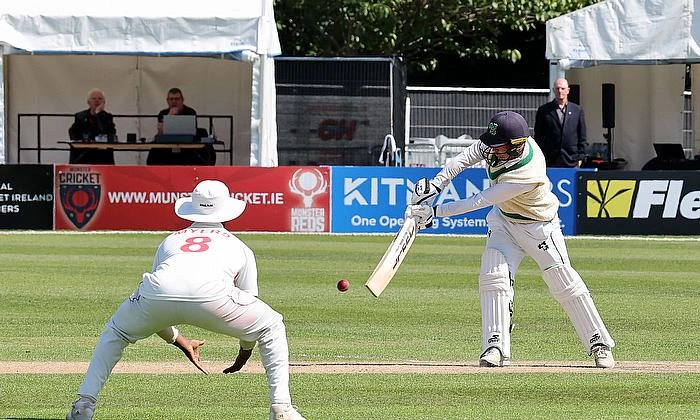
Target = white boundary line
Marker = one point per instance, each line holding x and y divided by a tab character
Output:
166	232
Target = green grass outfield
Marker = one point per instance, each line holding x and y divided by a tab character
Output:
58	290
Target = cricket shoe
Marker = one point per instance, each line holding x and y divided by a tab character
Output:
82	409
603	356
493	357
284	412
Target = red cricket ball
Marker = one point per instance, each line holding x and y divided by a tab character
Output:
343	285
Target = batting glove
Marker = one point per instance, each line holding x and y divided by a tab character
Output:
423	214
425	191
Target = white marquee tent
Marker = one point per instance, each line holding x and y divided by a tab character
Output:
642	47
139	33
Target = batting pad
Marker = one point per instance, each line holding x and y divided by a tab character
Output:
496	295
571	292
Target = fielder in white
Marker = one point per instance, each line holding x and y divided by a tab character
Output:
203	276
523	220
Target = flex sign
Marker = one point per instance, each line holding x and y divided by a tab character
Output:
373	199
664	203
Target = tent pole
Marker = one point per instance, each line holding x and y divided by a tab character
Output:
3	144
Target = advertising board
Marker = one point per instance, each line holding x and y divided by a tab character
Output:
26	197
282	199
373	199
639	203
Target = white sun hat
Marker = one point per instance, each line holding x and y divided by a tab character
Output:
211	201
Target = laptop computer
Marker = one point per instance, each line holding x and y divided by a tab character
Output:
669	151
178	129
180	124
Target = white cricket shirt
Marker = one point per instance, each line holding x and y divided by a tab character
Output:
520	189
201	263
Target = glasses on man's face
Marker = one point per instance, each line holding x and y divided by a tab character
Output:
174	98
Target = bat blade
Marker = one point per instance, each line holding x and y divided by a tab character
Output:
393	257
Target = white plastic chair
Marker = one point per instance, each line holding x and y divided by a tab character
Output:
421	152
449	148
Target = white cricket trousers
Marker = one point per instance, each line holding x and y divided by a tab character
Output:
138	318
544	242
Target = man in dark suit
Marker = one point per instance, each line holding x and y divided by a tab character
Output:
88	125
560	129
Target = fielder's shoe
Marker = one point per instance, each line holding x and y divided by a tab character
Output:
82	409
284	412
493	357
603	356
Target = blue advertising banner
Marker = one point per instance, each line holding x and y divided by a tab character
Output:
564	186
373	199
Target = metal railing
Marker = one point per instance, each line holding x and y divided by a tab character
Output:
454	112
443	120
427	152
39	148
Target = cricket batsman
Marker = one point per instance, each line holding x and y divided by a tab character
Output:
523	220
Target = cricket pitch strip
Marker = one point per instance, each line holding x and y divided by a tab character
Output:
175	367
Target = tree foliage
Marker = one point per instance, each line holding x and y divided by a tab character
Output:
418	30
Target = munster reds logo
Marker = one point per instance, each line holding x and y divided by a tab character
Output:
79	202
308	183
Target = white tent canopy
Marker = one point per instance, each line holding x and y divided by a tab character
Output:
626	31
623	42
241	29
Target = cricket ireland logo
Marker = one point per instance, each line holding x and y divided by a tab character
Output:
493	128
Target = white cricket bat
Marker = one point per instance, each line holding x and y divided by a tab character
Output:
393	257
